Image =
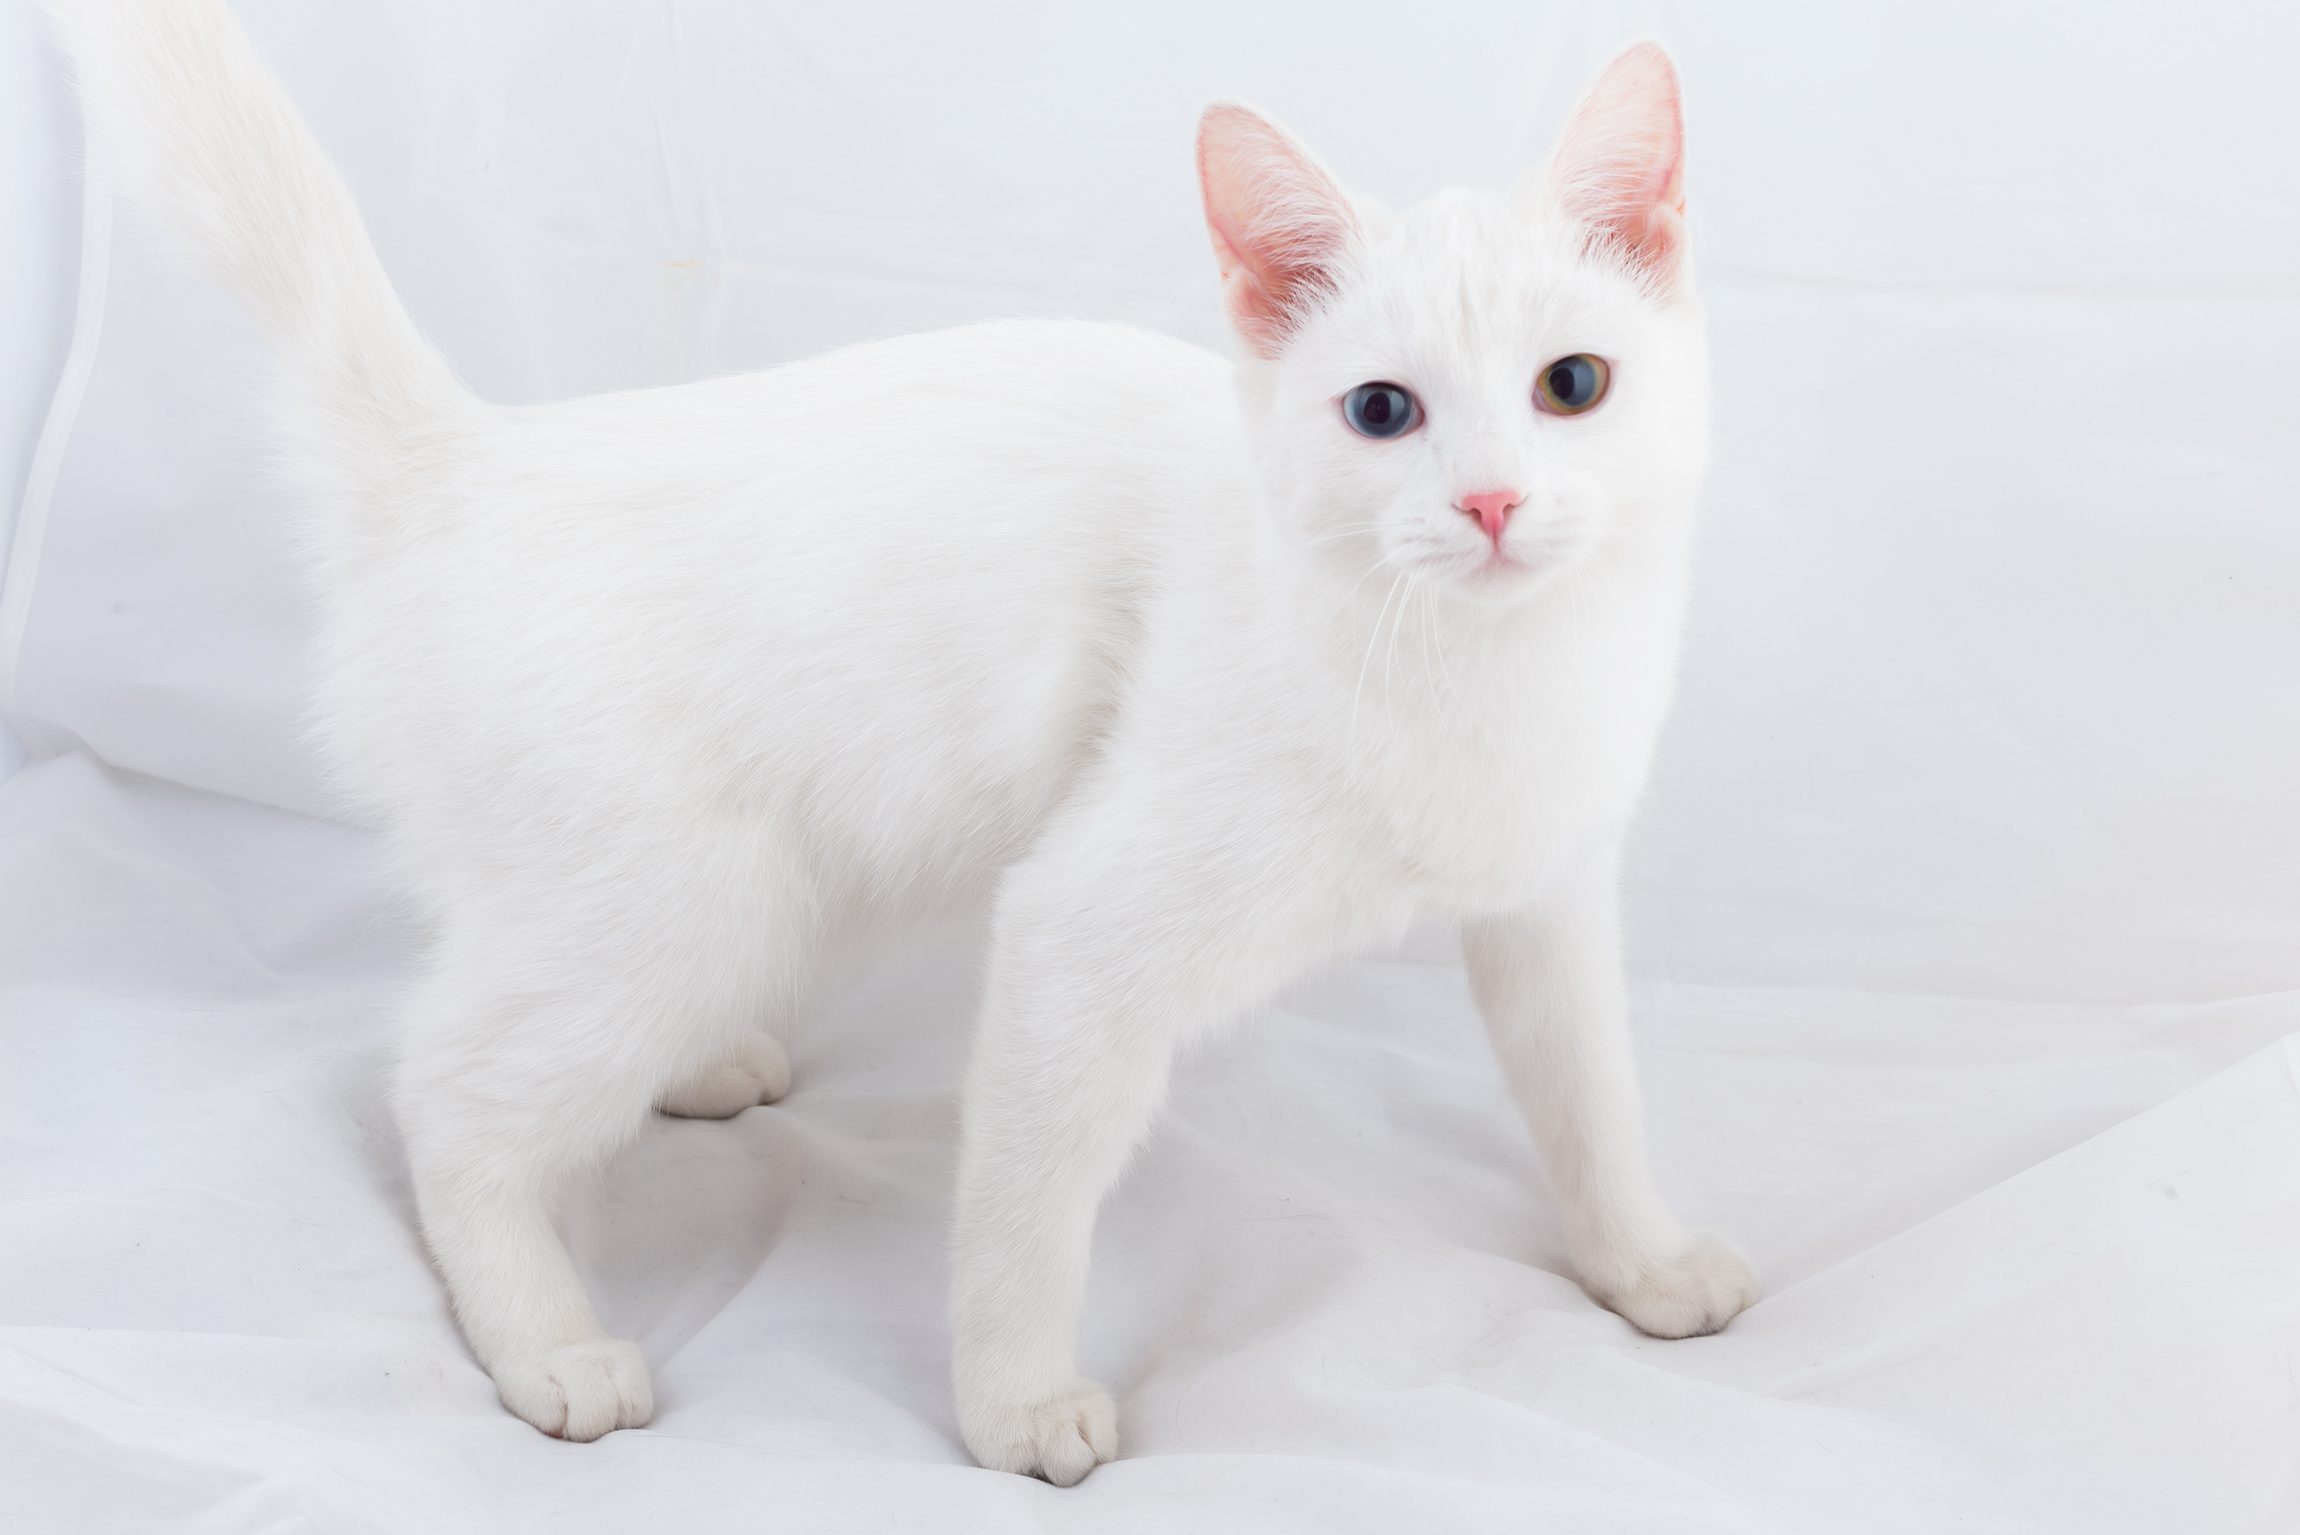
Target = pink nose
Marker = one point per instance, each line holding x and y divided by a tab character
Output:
1491	508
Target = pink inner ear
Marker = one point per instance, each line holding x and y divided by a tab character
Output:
1620	167
1279	223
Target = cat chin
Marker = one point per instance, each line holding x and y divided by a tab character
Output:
1495	583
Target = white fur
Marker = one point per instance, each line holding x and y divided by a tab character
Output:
654	692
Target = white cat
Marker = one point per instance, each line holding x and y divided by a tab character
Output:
1210	674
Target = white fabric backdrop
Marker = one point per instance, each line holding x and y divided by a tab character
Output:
1966	911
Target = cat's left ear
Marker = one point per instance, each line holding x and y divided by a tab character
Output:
1620	168
1281	226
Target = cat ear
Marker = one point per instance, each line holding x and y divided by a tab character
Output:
1620	168
1281	226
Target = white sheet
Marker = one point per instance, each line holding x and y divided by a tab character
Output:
2028	1266
1965	911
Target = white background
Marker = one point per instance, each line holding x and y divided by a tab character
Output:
1968	889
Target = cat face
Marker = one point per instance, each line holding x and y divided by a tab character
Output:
1480	391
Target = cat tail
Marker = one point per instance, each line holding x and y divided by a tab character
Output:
199	135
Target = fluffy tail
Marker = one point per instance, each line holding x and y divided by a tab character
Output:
205	140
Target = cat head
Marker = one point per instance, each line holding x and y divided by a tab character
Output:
1482	390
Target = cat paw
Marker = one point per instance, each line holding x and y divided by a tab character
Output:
581	1390
1687	1293
761	1074
1060	1438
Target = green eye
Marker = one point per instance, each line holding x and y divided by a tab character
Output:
1571	385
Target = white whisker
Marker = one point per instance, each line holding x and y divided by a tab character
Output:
1366	664
1336	535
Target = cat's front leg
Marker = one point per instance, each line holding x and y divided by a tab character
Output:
1107	953
1065	1079
1548	980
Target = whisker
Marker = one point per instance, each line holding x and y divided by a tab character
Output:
1366	664
1390	657
1433	642
1397	637
1336	535
1445	670
1361	581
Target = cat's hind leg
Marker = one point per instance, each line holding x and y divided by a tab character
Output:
537	1049
504	1099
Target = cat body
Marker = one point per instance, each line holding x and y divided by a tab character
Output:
1202	673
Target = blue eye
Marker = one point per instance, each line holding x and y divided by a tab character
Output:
1571	385
1381	410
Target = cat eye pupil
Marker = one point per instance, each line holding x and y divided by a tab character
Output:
1380	410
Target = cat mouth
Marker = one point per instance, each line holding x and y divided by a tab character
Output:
1487	565
1499	567
1485	568
1503	573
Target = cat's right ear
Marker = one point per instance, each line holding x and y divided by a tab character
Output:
1281	226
